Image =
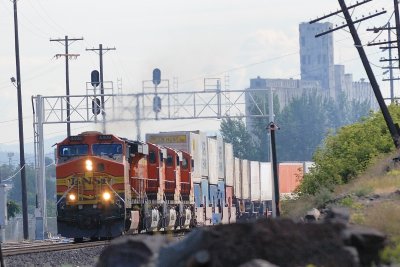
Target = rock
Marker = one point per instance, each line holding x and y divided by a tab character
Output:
199	259
258	263
353	251
132	251
265	243
281	242
338	215
368	242
312	215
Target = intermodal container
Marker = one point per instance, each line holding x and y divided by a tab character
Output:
255	189
237	174
221	193
205	198
229	195
220	158
266	181
229	164
290	175
203	154
214	195
212	161
245	179
183	141
197	194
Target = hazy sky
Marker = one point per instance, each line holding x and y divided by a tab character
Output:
190	40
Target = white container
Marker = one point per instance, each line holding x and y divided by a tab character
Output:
221	158
266	181
237	175
185	141
203	154
245	179
255	189
212	161
229	164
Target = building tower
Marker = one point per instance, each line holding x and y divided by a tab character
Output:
316	55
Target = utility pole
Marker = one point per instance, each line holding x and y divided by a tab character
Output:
101	51
21	129
389	47
393	128
272	127
67	56
397	18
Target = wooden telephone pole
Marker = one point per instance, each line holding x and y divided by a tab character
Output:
67	41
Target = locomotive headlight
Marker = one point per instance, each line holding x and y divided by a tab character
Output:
89	165
106	196
72	197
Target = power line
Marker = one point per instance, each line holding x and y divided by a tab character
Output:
67	56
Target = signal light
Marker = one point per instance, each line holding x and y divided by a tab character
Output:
96	107
156	104
95	78
156	77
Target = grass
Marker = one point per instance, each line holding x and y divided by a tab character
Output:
371	200
384	216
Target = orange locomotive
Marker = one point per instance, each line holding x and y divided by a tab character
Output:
108	185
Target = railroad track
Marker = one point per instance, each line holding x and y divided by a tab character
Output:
11	249
27	248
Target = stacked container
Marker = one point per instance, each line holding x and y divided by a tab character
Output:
290	175
212	161
194	143
266	181
229	173
255	188
237	175
221	158
245	179
213	170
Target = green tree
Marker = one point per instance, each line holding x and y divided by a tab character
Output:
307	120
15	192
349	151
234	131
303	124
259	130
12	209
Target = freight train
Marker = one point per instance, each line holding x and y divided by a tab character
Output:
108	186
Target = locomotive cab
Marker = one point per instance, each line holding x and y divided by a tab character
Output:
90	186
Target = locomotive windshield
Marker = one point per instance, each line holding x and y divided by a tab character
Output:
109	150
73	150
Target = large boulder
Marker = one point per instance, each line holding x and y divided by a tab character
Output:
281	242
133	251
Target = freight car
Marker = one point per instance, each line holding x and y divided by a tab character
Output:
107	185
